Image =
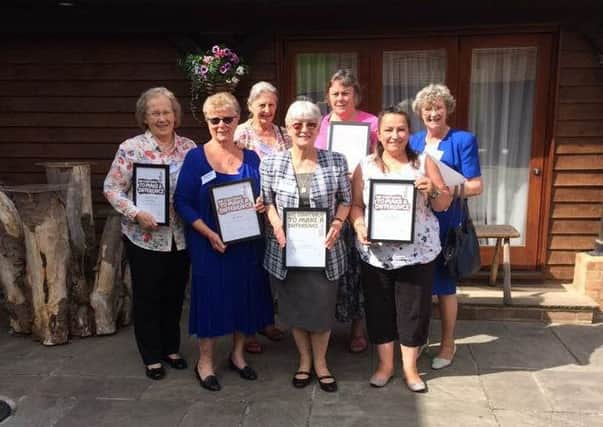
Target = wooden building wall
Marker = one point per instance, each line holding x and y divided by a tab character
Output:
577	187
68	98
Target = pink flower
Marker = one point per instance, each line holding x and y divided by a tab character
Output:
208	59
223	69
203	70
234	58
226	51
215	49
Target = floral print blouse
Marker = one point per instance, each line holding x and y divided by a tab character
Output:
118	189
426	243
246	137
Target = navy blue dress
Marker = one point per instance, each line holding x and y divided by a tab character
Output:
460	153
230	291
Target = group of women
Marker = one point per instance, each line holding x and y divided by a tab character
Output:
233	286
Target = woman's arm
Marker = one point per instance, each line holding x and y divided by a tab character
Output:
185	201
277	225
470	167
357	210
433	186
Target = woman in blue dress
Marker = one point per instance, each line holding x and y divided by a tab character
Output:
457	149
230	290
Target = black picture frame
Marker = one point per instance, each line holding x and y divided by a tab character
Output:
397	226
146	203
255	227
287	213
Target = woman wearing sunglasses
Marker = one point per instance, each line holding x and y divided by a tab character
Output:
304	176
230	291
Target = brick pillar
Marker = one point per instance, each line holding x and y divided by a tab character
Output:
588	276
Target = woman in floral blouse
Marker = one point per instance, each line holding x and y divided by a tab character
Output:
156	253
397	277
260	134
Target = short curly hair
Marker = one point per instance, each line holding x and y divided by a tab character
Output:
347	79
433	93
221	101
143	100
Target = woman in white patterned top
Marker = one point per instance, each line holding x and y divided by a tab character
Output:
156	253
260	134
396	277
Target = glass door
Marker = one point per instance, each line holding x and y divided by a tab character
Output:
505	100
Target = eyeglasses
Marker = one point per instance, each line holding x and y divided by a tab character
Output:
300	125
157	114
217	120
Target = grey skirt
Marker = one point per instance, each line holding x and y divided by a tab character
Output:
306	299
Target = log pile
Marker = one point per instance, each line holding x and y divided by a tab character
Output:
56	282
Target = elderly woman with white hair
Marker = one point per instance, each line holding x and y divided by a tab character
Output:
260	134
305	176
457	149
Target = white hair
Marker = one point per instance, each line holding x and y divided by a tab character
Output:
303	110
258	88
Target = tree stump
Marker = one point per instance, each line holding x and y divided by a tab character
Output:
78	203
111	296
12	267
47	257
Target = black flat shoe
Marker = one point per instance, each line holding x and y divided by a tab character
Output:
328	387
301	382
155	373
247	373
178	363
210	382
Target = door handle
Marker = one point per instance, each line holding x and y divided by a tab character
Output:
536	171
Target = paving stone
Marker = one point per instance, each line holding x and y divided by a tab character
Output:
512	418
268	413
92	387
410	420
514	390
584	341
39	411
16	386
212	414
572	391
111	413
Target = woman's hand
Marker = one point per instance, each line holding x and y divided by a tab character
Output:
279	234
361	233
259	205
216	242
424	185
146	221
333	234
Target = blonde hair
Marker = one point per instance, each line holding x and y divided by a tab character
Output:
154	92
431	94
221	101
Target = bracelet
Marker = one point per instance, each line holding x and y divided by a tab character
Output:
337	219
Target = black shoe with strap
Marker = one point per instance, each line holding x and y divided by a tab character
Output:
329	387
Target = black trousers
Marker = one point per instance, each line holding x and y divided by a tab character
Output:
158	283
397	303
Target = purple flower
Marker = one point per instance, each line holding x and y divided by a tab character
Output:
223	69
234	58
227	51
203	69
215	49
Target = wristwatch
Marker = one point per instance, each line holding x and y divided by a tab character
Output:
434	194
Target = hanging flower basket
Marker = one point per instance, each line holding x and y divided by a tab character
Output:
217	70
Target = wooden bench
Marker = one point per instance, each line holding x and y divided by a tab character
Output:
503	234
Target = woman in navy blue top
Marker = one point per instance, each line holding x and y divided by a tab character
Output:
230	293
457	149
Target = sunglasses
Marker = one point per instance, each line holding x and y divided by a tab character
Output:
299	125
217	120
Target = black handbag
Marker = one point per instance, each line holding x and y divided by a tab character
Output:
461	249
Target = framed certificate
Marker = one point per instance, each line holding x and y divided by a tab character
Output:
151	190
234	208
305	229
391	210
352	139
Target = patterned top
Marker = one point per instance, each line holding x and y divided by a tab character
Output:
426	243
118	189
329	188
246	137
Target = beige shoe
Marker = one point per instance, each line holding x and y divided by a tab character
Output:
441	363
419	387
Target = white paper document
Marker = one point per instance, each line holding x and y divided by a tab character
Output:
449	175
305	231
